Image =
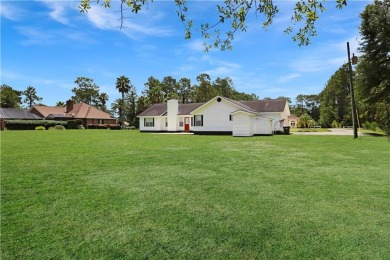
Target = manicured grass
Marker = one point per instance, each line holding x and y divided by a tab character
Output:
101	194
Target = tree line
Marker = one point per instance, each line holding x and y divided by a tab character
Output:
131	104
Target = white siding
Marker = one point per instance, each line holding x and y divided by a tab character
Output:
242	124
276	117
216	116
262	126
173	109
159	124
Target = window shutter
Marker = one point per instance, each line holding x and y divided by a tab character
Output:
192	121
153	121
144	121
201	120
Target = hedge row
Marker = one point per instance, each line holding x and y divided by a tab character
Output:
73	124
31	124
112	127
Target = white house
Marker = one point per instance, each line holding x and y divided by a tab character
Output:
220	115
168	117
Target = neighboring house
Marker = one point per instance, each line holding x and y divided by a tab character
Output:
15	114
293	121
88	114
220	115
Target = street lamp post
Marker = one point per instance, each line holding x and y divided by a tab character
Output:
353	106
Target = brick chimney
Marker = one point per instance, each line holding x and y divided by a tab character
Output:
69	106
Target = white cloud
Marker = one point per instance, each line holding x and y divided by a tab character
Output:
196	45
59	10
39	36
105	20
288	77
11	11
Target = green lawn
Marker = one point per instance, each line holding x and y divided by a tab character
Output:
101	194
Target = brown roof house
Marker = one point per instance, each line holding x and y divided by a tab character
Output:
15	114
220	115
88	114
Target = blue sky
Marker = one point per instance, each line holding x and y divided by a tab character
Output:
47	44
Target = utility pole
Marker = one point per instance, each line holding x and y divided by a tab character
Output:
353	106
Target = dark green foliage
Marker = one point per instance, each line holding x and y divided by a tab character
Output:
92	126
335	98
373	70
31	124
114	127
72	124
31	96
79	122
86	91
9	98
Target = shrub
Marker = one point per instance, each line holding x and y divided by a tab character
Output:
72	124
40	128
59	127
91	126
55	122
31	124
335	124
80	127
370	126
79	122
114	127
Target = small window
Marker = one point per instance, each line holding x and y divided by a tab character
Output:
230	118
198	120
149	122
100	121
181	122
166	122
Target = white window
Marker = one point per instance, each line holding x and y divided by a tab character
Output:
149	122
198	120
181	122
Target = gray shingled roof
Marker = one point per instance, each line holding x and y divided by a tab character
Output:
186	109
271	105
155	110
12	113
161	109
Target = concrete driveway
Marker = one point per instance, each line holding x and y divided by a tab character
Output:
333	131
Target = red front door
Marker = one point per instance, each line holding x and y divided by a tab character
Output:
186	124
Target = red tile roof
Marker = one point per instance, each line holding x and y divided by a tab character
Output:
80	110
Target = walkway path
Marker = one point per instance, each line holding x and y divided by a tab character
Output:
333	131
